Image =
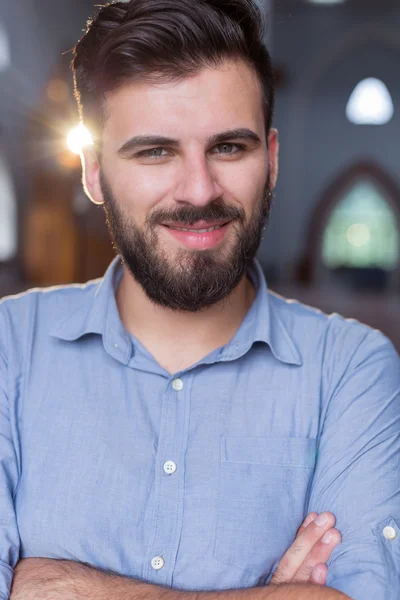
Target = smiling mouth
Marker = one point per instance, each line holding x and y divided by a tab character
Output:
200	239
209	229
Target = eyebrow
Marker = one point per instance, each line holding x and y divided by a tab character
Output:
159	140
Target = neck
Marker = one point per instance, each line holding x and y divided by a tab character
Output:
158	325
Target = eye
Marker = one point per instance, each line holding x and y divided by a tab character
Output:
153	153
229	148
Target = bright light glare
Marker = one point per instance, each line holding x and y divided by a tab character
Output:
370	103
78	138
358	235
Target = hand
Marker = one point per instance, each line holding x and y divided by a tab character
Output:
304	561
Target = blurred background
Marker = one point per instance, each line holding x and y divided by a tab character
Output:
334	237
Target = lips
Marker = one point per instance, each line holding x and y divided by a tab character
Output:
198	225
201	240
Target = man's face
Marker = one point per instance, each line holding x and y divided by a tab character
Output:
190	178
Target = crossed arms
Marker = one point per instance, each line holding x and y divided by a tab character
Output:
300	569
45	579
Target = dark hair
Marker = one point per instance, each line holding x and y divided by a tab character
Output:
165	40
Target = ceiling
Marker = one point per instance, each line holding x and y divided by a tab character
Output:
356	4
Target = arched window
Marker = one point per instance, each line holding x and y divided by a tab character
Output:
5	58
8	212
370	103
362	230
8	215
354	231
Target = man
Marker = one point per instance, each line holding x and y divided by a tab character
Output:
174	423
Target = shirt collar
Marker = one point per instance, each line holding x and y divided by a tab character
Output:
98	314
265	323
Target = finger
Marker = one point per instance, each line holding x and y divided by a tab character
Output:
319	554
323	549
302	546
319	575
310	517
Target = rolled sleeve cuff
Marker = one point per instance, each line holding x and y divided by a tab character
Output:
375	574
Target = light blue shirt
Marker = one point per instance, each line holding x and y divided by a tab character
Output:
196	481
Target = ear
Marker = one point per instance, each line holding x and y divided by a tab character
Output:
91	175
273	156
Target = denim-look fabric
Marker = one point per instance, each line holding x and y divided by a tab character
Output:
106	458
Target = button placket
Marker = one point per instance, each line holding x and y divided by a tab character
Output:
168	511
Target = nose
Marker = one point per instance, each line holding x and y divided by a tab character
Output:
197	184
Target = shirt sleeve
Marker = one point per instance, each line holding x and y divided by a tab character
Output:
9	536
357	474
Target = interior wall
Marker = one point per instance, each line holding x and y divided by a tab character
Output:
33	28
325	53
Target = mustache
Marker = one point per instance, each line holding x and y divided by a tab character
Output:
192	214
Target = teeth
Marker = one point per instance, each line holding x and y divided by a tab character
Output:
197	230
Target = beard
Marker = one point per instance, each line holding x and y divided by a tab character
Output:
187	280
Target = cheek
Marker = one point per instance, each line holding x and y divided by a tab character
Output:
140	189
244	185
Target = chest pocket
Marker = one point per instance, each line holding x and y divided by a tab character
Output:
262	494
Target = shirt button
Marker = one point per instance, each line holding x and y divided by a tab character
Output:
389	533
157	562
170	467
177	384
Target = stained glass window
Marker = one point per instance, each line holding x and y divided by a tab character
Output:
362	230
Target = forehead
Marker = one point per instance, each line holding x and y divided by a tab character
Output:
214	99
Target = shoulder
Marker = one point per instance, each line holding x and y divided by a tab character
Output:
41	308
342	353
333	336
